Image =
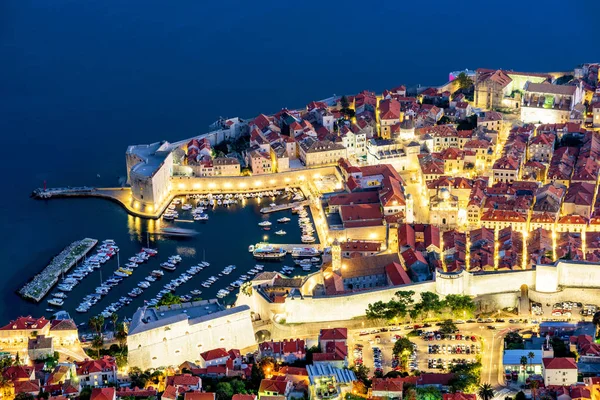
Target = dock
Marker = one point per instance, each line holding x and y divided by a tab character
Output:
281	207
62	192
289	247
43	282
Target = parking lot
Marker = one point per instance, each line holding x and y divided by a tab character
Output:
433	351
566	309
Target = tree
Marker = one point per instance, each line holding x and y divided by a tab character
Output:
523	361
169	299
430	303
138	377
460	305
531	356
98	344
534	386
485	391
464	81
448	327
520	396
267	365
224	391
596	321
121	335
361	371
403	348
24	396
467	377
410	394
428	393
344	102
114	317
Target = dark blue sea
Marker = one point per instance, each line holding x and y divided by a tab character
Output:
80	80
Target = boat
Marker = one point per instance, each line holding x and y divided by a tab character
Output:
196	292
280	232
59	295
264	223
308	239
315	259
186	207
305	268
251	248
283	220
157	273
305	252
168	266
269	252
178	232
56	302
150	278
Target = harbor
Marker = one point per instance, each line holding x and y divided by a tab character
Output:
41	283
213	261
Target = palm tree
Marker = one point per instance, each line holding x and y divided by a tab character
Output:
531	356
114	318
93	323
100	323
524	363
121	335
485	391
98	344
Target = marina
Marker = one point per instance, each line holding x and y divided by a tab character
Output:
41	283
127	279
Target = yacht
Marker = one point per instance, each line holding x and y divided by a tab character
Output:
315	259
150	278
186	207
59	295
283	220
196	292
168	266
264	223
251	248
178	232
157	273
56	302
280	232
269	252
308	239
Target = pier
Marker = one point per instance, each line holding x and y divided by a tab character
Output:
289	247
281	207
41	284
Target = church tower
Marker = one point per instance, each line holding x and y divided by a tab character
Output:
336	256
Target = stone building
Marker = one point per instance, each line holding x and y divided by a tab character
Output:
170	335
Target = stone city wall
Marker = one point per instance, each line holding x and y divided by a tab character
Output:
178	342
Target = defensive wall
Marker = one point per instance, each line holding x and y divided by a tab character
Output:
565	280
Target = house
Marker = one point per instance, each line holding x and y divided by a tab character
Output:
274	387
99	372
108	393
314	152
214	357
459	396
29	386
40	347
286	351
389	115
579	199
184	382
327	336
170	393
136	392
260	162
199	396
546	103
239	396
389	388
559	371
18	373
541	147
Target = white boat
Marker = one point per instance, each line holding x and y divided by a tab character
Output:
284	220
251	248
308	239
186	207
56	302
264	223
280	232
59	295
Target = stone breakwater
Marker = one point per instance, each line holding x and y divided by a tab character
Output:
41	283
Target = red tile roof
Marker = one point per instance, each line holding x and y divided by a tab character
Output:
195	395
273	386
214	354
105	363
17	372
559	363
26	323
397	274
334	334
29	386
387	385
108	393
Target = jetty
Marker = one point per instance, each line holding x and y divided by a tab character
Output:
62	192
281	207
289	247
41	284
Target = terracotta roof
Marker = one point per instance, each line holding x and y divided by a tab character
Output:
170	392
214	354
29	386
559	363
26	323
105	363
108	393
333	334
397	274
17	372
387	385
244	397
195	395
550	88
273	386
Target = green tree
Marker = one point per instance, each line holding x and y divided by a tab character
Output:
448	327
466	377
85	393
410	393
428	393
169	299
238	386
24	396
138	377
121	335
596	321
98	344
344	103
361	371
461	306
485	391
520	396
464	81
403	349
531	356
224	391
114	317
430	304
523	362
